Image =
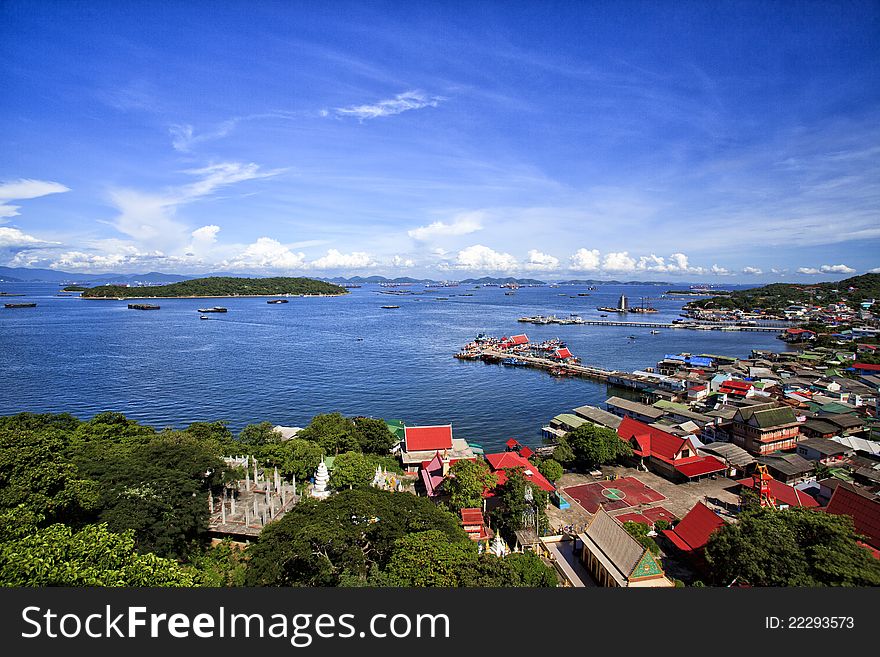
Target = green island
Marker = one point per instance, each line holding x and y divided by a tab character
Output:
219	286
74	288
777	296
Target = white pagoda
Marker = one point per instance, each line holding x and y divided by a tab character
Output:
322	476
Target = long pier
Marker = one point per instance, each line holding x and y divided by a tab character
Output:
696	326
491	355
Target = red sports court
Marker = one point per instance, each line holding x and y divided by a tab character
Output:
648	516
613	494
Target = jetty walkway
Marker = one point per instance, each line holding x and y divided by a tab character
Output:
491	355
693	326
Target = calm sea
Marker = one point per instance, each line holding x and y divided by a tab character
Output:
287	362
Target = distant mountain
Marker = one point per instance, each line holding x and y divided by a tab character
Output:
591	281
359	280
487	280
26	275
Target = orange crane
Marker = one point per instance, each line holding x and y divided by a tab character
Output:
762	481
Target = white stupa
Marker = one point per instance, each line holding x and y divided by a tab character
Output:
499	547
322	476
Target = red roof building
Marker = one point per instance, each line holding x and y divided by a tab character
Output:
736	388
502	461
864	509
563	354
474	524
512	444
671	456
514	340
432	474
425	439
785	495
692	533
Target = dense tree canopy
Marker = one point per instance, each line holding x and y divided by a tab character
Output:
514	511
790	547
551	469
592	445
466	483
319	542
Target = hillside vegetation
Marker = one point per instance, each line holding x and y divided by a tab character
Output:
219	286
779	295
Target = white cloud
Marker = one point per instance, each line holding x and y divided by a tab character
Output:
25	188
149	218
618	262
463	224
541	261
754	271
337	260
876	270
836	269
719	271
409	100
399	261
807	270
13	238
266	253
585	260
482	258
206	234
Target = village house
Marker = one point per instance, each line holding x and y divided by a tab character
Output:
826	452
673	457
765	428
691	534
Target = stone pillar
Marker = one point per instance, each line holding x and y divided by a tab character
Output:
223	511
232	505
210	503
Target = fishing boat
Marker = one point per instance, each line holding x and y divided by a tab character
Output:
655	332
390	307
277	301
215	309
513	362
20	305
143	306
204	317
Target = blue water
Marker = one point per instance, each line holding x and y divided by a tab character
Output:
287	362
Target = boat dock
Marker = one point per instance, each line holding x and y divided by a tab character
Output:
555	358
694	326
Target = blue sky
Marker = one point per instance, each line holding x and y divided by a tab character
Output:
728	142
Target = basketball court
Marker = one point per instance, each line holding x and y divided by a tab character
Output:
613	494
648	516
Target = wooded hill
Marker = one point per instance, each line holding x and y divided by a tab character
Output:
776	296
219	286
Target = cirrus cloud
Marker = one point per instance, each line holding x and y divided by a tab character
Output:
22	189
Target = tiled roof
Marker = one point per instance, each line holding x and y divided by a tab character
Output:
863	508
420	439
693	532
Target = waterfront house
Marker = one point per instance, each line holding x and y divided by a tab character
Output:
614	558
421	444
625	408
765	428
598	416
673	457
738	461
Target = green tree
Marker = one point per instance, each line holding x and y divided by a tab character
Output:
514	508
551	469
294	457
639	531
221	565
466	482
429	559
93	556
563	453
259	434
593	445
790	547
373	436
343	539
352	470
333	432
35	471
529	570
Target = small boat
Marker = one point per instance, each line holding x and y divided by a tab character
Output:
441	299
204	317
631	337
20	305
143	306
603	315
277	301
513	362
215	309
390	307
655	332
